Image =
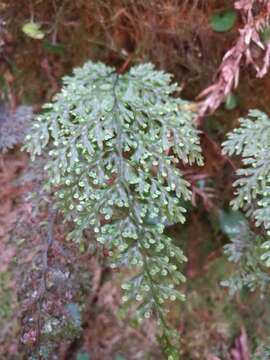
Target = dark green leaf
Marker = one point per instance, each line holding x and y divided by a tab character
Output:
230	222
230	102
223	21
57	49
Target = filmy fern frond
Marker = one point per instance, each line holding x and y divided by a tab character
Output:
252	141
115	141
245	250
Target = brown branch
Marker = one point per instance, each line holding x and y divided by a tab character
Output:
228	74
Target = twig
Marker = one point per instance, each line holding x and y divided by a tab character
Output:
228	74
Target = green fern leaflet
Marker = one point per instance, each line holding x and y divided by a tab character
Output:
114	142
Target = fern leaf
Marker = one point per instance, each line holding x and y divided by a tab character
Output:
114	141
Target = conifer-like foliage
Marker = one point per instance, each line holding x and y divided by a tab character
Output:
252	141
244	250
114	143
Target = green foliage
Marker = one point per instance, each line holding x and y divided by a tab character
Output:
223	21
252	141
265	34
231	102
250	251
57	49
114	142
82	356
245	250
6	294
263	351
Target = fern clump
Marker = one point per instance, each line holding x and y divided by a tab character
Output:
114	142
252	141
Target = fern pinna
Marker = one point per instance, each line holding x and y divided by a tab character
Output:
114	142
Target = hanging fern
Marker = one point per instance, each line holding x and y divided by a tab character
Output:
252	141
114	142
